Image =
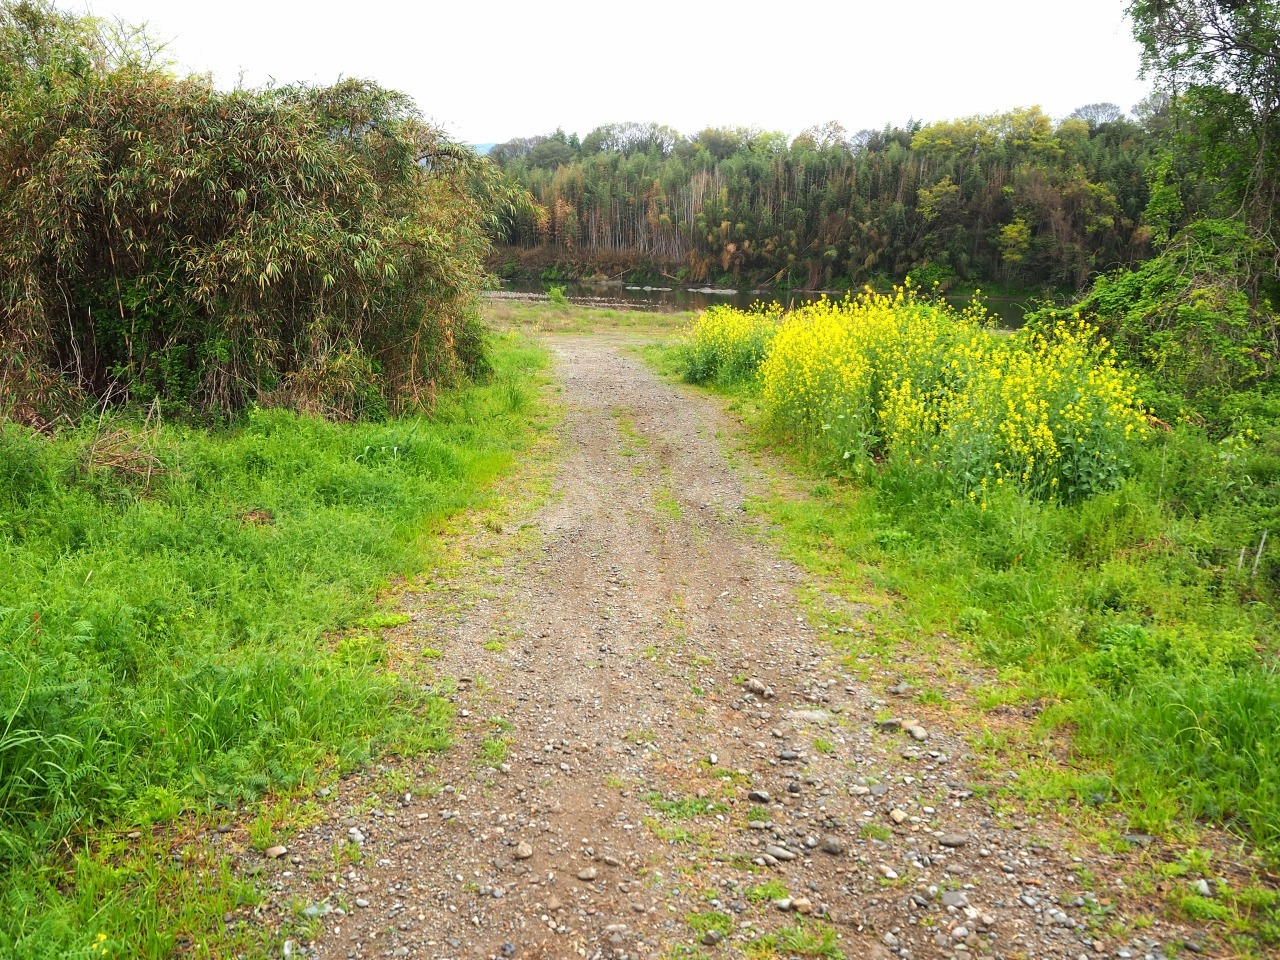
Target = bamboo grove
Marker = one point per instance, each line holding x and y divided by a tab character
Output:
161	240
1012	198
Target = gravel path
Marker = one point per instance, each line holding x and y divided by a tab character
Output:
659	756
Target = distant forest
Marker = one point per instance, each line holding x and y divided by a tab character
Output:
1012	199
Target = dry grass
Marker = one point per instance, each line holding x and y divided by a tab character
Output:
547	317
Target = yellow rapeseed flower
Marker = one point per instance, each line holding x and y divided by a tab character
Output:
873	374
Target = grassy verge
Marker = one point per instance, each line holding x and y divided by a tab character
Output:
1096	611
189	621
1097	620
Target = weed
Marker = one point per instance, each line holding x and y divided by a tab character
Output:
931	697
671	834
683	808
382	619
262	831
768	891
684	953
798	940
1203	908
493	751
394	782
667	504
345	853
711	920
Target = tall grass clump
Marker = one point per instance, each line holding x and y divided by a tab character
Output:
180	625
893	376
728	345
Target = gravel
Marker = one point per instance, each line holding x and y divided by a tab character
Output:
617	643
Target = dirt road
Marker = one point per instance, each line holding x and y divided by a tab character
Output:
661	757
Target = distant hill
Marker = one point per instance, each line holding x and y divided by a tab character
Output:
483	148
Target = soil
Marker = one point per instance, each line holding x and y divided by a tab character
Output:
660	755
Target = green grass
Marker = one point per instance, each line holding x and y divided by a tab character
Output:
798	940
493	751
680	952
671	834
1165	673
874	831
138	901
708	921
665	500
546	317
767	891
683	808
183	642
1249	913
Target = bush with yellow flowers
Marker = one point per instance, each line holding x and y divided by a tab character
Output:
1048	410
880	376
727	346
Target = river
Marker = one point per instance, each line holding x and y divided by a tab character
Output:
1008	311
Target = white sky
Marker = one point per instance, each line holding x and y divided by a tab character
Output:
490	70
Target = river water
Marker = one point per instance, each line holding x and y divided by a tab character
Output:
1008	311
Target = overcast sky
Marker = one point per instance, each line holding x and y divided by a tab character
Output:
489	70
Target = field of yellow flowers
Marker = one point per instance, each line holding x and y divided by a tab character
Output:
894	376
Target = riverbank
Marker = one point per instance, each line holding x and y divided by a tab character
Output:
1007	310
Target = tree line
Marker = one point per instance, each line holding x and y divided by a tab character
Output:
1013	198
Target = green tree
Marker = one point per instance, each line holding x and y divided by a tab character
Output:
822	136
1096	114
1218	61
1015	243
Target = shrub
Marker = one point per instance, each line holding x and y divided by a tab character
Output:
161	239
893	376
727	345
1192	319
